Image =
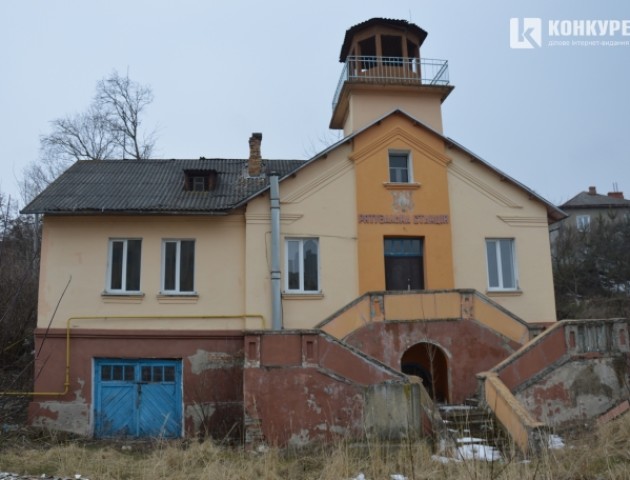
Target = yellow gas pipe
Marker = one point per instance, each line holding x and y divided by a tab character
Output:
66	383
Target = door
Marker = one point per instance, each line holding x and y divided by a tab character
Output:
137	398
429	362
404	265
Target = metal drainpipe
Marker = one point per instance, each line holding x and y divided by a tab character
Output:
276	299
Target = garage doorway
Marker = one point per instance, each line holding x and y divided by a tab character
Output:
137	398
429	362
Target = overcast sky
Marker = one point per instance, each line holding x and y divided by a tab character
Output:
556	118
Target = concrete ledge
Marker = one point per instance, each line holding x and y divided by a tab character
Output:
613	413
526	432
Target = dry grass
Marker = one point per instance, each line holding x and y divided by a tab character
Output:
604	454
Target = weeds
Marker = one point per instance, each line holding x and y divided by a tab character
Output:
603	454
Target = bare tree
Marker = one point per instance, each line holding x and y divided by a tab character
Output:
19	265
86	136
122	101
109	129
591	268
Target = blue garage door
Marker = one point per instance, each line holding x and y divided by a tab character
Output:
137	398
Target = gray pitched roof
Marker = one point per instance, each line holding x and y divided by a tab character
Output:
156	186
152	187
594	200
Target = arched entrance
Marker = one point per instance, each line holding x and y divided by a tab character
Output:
428	362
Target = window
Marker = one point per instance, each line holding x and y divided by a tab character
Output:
391	46
157	374
199	180
583	222
123	274
178	266
399	168
117	373
367	48
501	264
302	265
199	184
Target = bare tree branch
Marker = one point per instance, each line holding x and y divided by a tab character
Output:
109	129
123	101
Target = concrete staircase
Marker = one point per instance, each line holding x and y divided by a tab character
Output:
471	424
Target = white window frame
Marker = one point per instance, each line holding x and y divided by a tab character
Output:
583	222
199	183
497	252
123	270
177	290
301	241
399	153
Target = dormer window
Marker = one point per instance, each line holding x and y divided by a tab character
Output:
199	184
200	180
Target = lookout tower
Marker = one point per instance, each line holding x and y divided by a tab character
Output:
383	71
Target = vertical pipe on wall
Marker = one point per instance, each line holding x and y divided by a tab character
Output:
276	299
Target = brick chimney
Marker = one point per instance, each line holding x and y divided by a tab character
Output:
616	195
254	164
591	190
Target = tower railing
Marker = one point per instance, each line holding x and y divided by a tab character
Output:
392	70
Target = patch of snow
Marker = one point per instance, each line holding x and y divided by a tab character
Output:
397	476
555	442
360	476
470	440
475	451
454	408
444	460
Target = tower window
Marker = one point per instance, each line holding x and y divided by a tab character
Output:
392	46
368	47
368	53
412	50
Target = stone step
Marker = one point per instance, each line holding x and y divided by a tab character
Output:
468	421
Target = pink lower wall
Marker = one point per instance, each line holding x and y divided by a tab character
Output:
302	387
212	376
469	348
284	388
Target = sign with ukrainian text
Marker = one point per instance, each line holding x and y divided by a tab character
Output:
401	219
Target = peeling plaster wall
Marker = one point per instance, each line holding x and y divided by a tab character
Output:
304	387
212	376
572	373
578	391
214	406
469	347
73	417
310	406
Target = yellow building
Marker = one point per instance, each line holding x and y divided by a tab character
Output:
153	272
